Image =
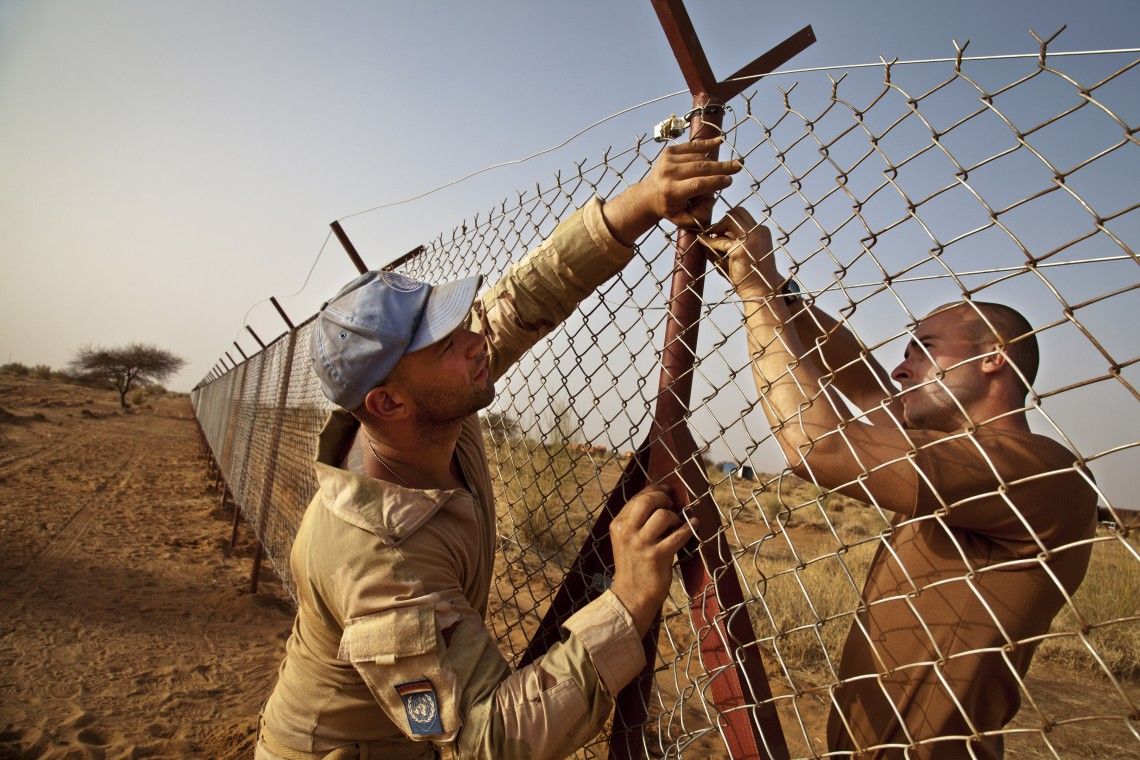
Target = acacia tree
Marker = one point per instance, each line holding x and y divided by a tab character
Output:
125	366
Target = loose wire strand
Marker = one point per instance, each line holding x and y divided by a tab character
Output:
658	99
780	72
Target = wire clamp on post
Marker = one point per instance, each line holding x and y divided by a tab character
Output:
670	129
676	126
712	109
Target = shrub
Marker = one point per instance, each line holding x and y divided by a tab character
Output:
15	368
146	392
90	381
771	506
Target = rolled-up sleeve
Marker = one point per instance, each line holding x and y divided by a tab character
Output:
604	627
540	291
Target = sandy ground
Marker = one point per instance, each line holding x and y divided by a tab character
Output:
124	631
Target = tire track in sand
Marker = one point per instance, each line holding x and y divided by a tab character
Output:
7	465
28	579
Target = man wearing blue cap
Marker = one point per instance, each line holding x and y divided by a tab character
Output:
389	656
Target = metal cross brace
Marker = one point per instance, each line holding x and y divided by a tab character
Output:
728	647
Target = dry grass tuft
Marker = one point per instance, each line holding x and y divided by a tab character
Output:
1108	601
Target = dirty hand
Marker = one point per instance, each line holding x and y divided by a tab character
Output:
742	251
646	536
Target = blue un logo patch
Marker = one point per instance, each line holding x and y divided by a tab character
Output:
422	707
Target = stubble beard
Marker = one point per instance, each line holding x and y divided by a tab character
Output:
920	414
933	407
438	411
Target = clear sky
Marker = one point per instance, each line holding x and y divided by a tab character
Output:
167	165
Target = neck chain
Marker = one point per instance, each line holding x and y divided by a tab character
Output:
387	466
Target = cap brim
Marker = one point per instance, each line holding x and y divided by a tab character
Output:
446	309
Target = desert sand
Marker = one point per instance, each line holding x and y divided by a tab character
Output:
124	630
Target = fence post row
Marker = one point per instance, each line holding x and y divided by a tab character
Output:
271	467
233	478
728	647
240	497
275	441
279	417
225	469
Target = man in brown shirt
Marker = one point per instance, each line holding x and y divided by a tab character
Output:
389	656
991	523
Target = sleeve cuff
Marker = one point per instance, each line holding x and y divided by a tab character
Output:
604	627
608	246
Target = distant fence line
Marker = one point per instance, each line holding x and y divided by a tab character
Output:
1010	181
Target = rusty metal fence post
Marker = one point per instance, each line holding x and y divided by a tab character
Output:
728	647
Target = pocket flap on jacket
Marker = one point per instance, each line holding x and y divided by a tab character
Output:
389	635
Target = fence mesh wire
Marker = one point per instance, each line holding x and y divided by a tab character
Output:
887	194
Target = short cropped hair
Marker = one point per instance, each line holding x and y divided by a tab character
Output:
1001	324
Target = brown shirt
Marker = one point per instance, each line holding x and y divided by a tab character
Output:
389	646
956	595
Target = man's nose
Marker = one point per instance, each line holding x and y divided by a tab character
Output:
900	373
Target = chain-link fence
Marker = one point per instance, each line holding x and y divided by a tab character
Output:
889	191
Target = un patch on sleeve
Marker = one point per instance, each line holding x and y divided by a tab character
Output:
422	707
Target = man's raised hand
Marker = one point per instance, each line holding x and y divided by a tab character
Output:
678	189
742	251
684	178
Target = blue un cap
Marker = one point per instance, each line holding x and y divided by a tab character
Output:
360	334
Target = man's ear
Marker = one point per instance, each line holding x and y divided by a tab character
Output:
994	361
386	403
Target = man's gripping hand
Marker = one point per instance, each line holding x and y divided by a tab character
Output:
742	251
678	189
646	536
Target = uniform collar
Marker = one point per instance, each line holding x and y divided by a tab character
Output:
390	511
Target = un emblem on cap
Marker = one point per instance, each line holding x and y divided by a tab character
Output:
399	282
